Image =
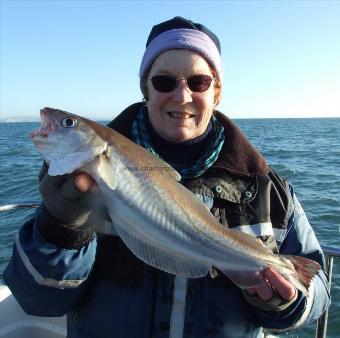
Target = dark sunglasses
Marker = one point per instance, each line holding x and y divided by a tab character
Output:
167	83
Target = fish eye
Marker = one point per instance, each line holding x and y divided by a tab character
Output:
69	122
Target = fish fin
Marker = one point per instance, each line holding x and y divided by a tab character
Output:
150	253
305	271
107	175
101	170
300	275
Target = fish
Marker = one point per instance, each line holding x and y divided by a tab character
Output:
161	222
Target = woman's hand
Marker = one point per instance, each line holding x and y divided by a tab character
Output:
273	281
69	198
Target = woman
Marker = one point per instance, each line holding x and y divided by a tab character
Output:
60	266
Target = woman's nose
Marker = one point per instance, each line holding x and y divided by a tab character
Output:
182	93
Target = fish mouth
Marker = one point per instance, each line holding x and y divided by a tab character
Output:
47	126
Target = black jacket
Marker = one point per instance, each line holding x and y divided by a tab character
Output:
242	190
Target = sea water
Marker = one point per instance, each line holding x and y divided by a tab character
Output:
305	151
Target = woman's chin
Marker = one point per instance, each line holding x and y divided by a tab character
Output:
179	136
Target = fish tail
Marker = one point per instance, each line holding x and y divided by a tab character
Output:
305	270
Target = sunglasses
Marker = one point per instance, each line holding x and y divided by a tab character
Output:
167	83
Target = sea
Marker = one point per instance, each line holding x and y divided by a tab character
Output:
305	151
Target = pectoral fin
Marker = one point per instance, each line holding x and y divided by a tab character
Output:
102	172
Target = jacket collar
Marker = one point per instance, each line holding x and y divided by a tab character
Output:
237	156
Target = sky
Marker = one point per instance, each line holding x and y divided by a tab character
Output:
281	58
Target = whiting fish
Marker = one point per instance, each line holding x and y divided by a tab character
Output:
161	222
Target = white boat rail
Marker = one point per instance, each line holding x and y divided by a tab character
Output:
329	251
13	206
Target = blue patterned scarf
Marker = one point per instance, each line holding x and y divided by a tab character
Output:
141	136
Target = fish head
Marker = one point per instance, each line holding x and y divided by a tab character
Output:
66	141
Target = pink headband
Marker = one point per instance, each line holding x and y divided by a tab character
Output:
182	38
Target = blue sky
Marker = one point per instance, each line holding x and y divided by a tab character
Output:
281	58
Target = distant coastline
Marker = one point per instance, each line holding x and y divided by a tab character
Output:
14	119
30	119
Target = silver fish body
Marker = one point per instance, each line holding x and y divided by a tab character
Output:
159	220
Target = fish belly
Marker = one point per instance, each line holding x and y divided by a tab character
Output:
162	235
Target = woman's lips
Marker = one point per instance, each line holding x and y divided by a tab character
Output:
180	116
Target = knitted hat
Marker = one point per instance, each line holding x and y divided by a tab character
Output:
180	33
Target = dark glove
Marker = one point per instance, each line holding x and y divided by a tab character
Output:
66	218
63	200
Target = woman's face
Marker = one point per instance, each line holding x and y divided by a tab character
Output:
181	114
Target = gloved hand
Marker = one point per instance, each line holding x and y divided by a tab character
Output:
64	200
